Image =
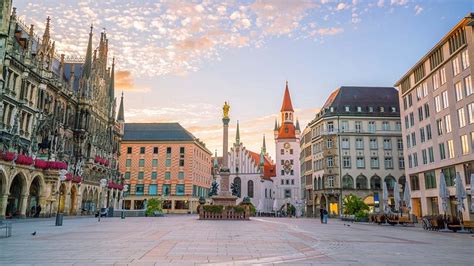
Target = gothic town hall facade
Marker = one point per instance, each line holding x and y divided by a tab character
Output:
59	129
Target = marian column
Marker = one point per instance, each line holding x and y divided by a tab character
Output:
225	172
225	197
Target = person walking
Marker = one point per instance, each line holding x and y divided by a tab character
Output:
325	215
321	214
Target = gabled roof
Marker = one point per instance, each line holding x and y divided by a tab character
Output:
156	132
269	169
287	106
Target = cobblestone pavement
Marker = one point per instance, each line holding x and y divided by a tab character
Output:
183	240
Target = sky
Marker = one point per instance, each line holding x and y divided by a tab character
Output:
178	61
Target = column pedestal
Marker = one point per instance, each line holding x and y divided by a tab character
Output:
224	197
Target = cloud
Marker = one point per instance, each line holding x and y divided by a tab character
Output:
418	9
380	3
124	82
177	37
398	2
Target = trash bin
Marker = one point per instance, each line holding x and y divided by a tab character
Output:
59	219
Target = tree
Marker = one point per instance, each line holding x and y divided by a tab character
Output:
354	205
214	189
153	205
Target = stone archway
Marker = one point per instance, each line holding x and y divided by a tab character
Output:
3	194
16	206
73	200
36	188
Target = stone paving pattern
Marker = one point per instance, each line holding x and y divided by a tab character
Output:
185	240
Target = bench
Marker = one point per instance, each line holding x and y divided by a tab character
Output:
7	226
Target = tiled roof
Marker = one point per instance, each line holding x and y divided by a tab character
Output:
269	170
156	132
287	105
364	97
287	131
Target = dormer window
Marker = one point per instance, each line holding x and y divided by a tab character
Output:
382	109
348	109
332	109
371	109
359	109
394	109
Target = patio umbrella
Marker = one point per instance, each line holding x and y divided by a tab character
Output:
460	194
443	192
260	205
385	198
396	196
407	196
472	192
275	205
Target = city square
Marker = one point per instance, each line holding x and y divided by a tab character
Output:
185	240
243	132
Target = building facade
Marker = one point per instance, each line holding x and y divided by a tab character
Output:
287	182
57	118
306	162
356	145
437	103
164	160
251	174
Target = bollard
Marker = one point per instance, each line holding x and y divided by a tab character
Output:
122	215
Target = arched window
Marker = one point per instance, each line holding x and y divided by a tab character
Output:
315	184
402	181
390	180
266	193
361	182
320	183
250	188
347	182
375	182
236	187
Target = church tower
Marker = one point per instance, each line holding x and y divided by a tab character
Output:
288	180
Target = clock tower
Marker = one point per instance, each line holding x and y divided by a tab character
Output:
287	183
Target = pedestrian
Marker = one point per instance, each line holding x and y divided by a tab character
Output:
321	214
325	214
38	211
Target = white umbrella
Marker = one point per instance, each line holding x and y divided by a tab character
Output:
275	205
460	194
396	196
407	196
260	205
385	197
443	192
472	192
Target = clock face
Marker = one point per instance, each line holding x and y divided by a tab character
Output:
286	145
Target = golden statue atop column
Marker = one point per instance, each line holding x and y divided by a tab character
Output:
226	109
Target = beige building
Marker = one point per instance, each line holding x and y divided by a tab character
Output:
165	161
356	145
437	103
306	163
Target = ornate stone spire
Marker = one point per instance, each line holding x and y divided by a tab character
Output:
297	125
264	146
237	134
87	71
276	125
216	164
112	81
46	34
120	116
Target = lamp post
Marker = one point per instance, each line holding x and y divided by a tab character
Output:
103	183
59	216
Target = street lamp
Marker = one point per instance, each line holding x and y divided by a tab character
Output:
103	183
59	216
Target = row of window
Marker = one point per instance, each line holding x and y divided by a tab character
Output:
165	189
153	176
373	143
359	127
430	179
360	162
360	183
446	151
287	181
